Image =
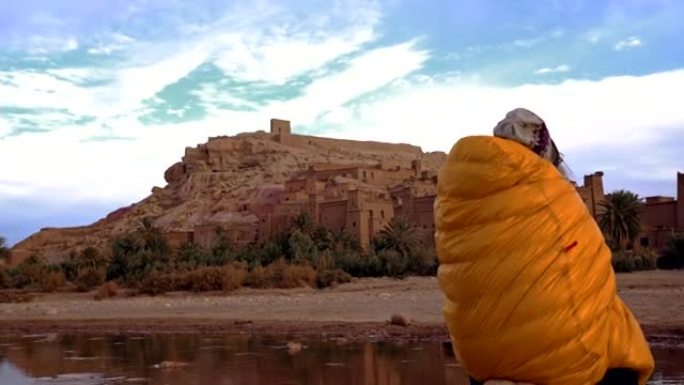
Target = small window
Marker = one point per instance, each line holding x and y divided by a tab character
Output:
645	242
353	224
382	214
370	212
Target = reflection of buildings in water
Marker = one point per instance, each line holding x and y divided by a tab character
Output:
229	360
246	361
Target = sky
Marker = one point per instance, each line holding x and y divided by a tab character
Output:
98	98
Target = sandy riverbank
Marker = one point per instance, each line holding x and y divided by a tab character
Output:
353	311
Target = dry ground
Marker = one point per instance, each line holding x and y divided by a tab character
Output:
362	307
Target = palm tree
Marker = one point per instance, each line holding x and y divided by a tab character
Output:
304	223
620	219
4	250
399	235
150	237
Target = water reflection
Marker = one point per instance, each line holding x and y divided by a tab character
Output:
239	360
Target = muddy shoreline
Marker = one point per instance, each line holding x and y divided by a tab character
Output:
343	332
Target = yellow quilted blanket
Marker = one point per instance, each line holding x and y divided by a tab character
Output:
530	292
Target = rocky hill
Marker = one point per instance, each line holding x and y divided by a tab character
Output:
212	178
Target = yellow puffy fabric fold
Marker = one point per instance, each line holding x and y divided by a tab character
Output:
530	292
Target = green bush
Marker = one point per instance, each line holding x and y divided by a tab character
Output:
52	281
625	261
157	283
300	247
423	262
280	274
30	273
645	259
300	275
107	290
5	279
331	278
190	256
394	263
358	265
91	257
215	278
303	255
673	257
89	277
69	269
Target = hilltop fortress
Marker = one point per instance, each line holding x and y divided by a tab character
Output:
357	198
248	187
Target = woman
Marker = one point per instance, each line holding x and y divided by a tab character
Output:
530	292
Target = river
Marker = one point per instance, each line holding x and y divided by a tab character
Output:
241	360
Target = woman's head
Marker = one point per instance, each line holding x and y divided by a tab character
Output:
528	129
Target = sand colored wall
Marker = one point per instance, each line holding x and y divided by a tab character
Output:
280	127
661	218
593	192
178	238
658	221
282	132
333	215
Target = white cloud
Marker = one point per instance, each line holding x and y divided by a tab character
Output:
630	42
611	112
213	95
111	42
39	45
27	89
430	111
136	84
5	127
550	70
262	42
128	87
364	74
297	45
527	42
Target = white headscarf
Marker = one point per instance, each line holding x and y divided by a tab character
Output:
525	127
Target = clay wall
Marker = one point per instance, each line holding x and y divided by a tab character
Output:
380	213
357	225
280	127
592	192
402	199
661	213
298	184
333	215
364	146
658	221
347	172
178	238
205	236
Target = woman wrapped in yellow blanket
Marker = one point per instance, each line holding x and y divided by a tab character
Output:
530	292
